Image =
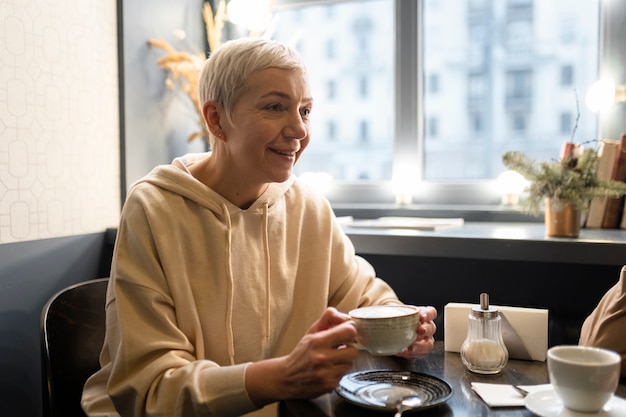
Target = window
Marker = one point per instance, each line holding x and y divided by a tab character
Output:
477	5
363	87
519	38
518	121
432	85
518	84
566	122
477	122
331	131
568	30
358	57
520	3
363	132
477	33
449	89
330	49
476	86
433	127
331	89
567	75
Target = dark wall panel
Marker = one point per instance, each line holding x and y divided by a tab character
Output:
568	291
30	273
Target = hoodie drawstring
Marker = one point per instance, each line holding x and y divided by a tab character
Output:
231	288
266	249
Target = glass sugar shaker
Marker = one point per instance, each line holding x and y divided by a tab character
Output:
483	350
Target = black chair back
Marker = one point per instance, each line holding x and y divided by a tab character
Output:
72	333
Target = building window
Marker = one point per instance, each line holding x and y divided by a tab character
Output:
477	5
433	127
569	28
477	123
331	87
566	123
363	87
363	25
478	33
520	3
519	35
331	131
364	132
432	85
519	84
567	75
476	86
519	122
330	49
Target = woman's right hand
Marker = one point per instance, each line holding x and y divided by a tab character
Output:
313	368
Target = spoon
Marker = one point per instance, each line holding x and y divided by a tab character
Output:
407	403
522	391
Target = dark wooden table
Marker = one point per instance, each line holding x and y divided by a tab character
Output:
444	365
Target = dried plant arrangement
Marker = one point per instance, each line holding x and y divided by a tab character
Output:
572	179
183	66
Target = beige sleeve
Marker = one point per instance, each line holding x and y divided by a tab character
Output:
606	325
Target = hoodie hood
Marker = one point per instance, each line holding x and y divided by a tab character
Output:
177	179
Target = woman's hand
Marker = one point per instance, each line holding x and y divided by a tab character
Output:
313	368
425	341
323	356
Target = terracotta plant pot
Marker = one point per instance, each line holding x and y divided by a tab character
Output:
562	219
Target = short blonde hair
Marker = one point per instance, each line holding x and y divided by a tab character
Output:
225	73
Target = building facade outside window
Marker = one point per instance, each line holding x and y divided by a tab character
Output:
493	76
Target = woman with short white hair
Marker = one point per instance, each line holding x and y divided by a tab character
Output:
230	279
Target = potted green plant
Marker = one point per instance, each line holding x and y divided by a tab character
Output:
563	187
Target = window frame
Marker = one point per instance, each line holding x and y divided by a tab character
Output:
472	195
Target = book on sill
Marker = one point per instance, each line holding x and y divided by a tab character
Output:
613	212
608	154
416	223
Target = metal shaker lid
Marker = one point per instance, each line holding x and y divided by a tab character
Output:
484	310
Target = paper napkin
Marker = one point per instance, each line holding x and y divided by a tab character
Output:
503	395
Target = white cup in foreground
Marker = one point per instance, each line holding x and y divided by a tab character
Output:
387	329
584	378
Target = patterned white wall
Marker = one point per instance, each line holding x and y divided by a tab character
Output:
59	123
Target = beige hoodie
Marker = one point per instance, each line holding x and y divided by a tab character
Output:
200	287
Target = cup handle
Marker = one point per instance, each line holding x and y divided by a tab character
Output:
355	343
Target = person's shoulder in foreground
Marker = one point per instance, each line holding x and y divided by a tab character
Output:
606	325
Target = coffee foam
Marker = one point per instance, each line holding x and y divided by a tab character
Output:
382	312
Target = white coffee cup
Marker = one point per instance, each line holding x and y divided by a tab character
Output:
386	329
584	378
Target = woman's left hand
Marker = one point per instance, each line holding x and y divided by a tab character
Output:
425	341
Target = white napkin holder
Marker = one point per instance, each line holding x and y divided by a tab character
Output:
524	330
